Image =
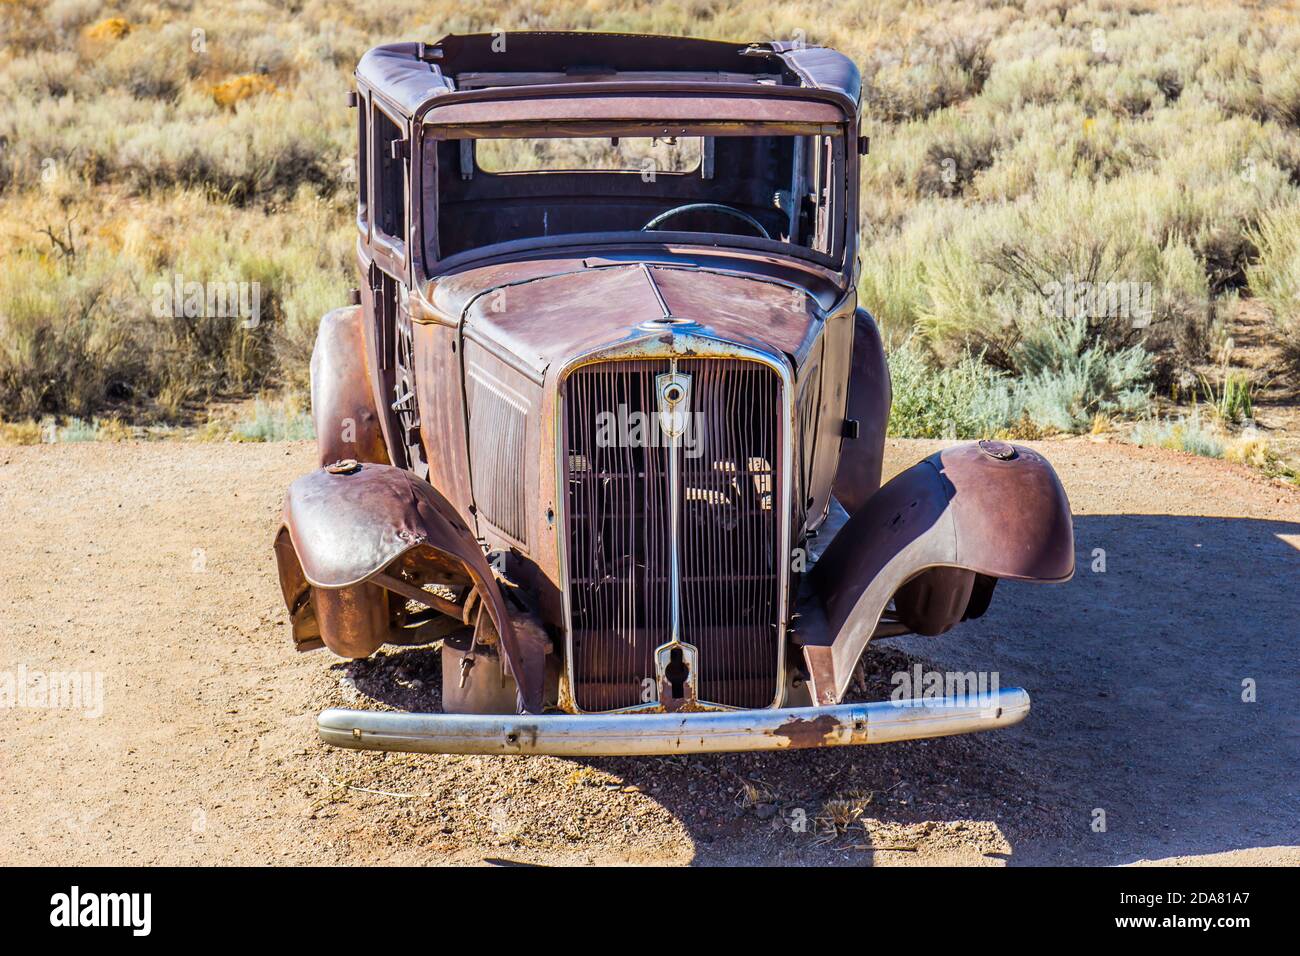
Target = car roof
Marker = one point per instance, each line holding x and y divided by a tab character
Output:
487	66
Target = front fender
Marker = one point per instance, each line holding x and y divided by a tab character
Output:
342	527
342	403
989	507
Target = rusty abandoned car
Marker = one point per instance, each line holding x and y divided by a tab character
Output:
603	383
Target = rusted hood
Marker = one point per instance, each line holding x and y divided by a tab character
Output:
547	313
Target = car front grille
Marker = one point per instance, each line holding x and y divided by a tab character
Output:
619	542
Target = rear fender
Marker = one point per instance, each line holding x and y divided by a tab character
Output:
340	530
983	509
342	401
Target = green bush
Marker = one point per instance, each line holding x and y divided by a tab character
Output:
1065	382
965	400
1186	433
275	422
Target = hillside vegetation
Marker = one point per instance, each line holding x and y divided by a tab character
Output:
1064	207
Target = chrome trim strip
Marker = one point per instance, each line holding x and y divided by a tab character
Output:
674	528
601	735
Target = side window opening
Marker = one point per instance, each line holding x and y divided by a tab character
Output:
363	172
390	179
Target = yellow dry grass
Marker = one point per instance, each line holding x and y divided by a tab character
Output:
113	28
239	88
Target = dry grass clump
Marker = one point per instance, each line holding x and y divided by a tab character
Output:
1209	436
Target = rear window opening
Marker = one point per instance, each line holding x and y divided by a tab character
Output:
632	154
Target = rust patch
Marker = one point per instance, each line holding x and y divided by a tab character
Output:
804	733
686	704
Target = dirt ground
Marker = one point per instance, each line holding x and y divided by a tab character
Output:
150	564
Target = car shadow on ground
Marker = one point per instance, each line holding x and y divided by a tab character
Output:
1163	677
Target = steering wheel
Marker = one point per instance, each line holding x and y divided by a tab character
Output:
706	207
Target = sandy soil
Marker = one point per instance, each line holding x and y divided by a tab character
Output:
150	565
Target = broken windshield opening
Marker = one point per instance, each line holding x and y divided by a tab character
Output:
781	189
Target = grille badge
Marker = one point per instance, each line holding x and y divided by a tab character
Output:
674	390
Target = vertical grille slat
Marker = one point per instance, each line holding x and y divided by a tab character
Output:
618	534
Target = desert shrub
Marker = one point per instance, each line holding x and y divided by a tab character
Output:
952	163
1186	433
1068	376
103	324
1255	74
1165	136
146	62
1078	248
1275	278
967	399
1226	252
68	17
64	343
314	294
897	263
152	132
275	421
1159	140
935	72
1067	382
1059	74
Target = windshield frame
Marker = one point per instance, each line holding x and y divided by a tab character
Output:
840	198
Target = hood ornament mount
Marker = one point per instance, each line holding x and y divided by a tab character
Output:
666	320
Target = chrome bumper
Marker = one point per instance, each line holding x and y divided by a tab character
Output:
609	735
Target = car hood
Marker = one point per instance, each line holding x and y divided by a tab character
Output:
547	313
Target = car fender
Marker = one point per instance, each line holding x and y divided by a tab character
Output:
342	527
870	395
990	508
342	401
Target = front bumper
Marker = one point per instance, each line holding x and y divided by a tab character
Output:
610	735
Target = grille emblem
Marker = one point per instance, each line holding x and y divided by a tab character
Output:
674	390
